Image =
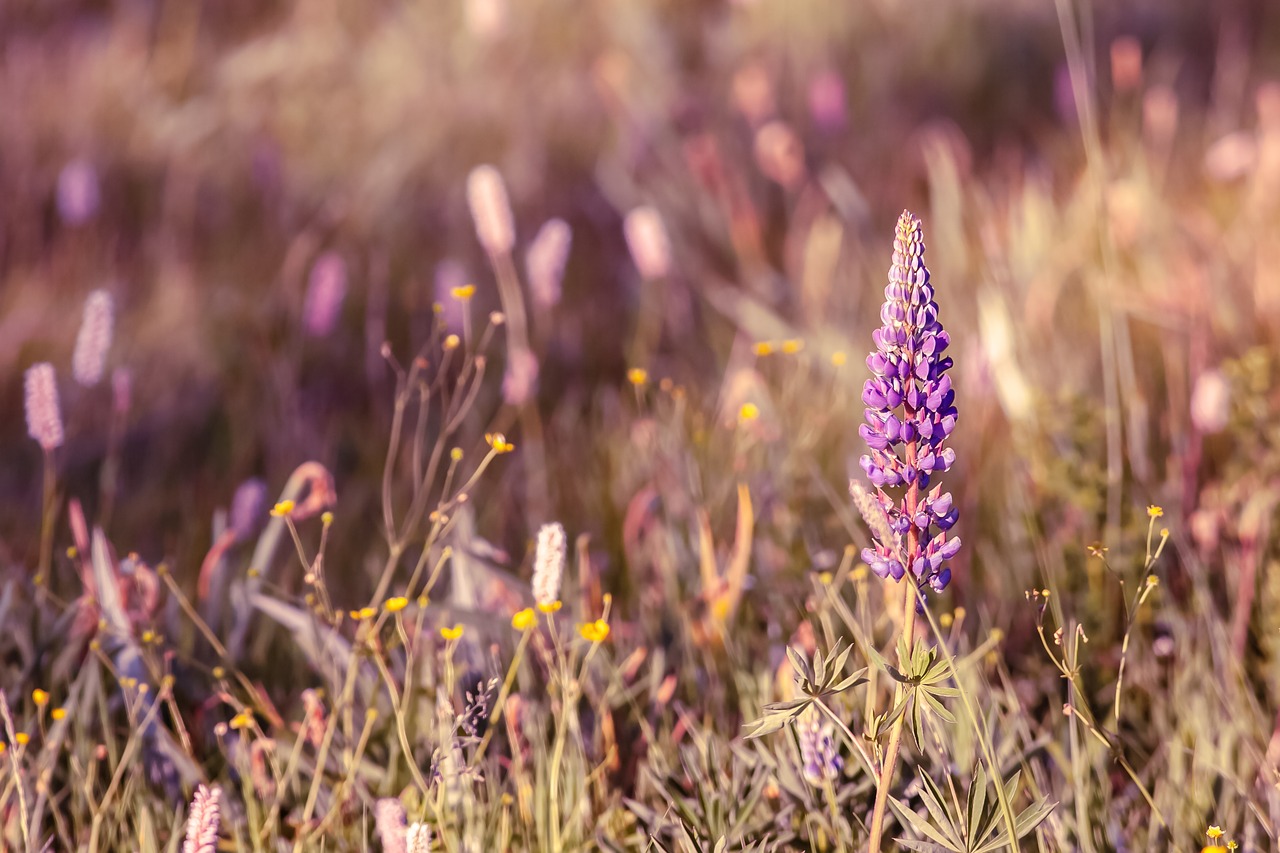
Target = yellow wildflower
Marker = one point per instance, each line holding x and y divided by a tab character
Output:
242	720
451	633
523	620
22	738
456	454
326	518
452	342
1213	832
40	697
1154	511
58	714
364	613
838	358
594	632
748	412
499	442
763	348
462	294
283	508
637	376
395	605
792	346
552	607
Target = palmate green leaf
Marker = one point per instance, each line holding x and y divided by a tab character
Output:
1024	824
839	657
777	716
932	797
800	665
923	827
931	699
819	669
976	811
851	681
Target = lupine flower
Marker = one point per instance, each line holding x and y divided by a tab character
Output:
326	290
94	339
247	506
202	822
910	415
389	820
648	242
545	259
44	414
548	567
822	761
491	210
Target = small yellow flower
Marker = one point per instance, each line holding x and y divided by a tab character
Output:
219	673
524	619
838	358
859	572
456	454
364	613
826	578
594	632
242	720
451	633
58	714
40	697
452	342
1233	845
748	412
22	738
395	605
72	552
3	747
637	376
763	348
326	518
553	607
283	508
1213	832
498	442
946	620
148	636
1154	511
462	294
792	346
997	635
1097	549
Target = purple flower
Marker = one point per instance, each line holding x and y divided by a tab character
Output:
818	750
910	416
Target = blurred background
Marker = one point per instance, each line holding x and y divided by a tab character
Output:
272	191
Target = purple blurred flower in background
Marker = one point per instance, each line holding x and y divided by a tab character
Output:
911	414
545	259
818	750
326	290
78	192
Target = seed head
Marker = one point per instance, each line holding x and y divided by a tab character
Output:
548	565
94	339
202	822
491	210
545	259
389	820
648	242
44	414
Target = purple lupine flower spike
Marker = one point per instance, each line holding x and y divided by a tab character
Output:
910	416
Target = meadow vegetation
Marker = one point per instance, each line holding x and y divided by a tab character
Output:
485	425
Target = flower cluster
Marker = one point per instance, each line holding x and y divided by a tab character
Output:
910	415
818	750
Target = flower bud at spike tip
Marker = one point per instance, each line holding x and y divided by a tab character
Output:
910	416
